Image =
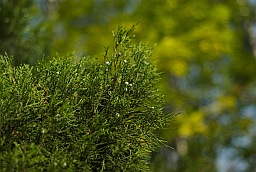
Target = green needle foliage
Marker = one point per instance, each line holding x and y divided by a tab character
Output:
91	115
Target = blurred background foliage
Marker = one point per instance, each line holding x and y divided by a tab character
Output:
206	50
22	32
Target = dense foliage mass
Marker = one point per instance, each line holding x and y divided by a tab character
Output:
88	115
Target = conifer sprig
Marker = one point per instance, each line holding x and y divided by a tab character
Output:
81	116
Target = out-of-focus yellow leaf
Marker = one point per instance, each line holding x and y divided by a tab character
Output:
178	67
210	40
172	4
191	124
221	104
220	13
227	102
245	123
172	55
172	48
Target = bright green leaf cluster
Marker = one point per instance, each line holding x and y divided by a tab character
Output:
81	116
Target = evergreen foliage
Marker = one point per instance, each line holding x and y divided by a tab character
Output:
90	115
